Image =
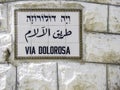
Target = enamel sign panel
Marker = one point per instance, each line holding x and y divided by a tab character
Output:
48	34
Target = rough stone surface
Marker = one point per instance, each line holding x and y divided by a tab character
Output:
114	19
75	76
117	2
3	17
37	76
103	48
114	77
5	47
6	1
36	4
97	1
94	18
71	4
7	77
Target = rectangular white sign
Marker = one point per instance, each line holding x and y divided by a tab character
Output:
48	33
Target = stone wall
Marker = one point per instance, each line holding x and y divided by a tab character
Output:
99	69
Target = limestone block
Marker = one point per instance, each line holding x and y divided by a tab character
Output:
3	17
114	17
70	5
75	76
37	76
103	48
117	2
95	17
34	4
114	77
3	1
5	39
97	1
5	46
7	77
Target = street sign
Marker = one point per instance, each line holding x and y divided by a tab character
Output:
48	34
